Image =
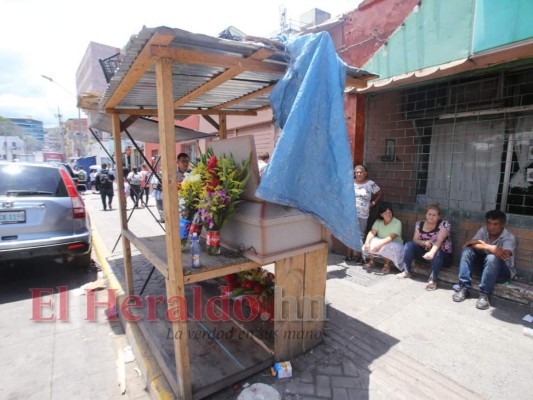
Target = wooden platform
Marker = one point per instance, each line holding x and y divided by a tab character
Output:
222	347
221	352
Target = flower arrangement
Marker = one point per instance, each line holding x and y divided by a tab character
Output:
223	181
257	283
189	195
209	193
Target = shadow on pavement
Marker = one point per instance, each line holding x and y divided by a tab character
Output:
17	280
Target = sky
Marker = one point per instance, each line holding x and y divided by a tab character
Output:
50	37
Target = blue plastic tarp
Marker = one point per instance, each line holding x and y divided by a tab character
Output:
311	167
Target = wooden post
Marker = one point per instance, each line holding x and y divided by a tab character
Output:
314	304
119	167
300	308
222	129
175	286
290	274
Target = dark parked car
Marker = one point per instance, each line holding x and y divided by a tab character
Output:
42	214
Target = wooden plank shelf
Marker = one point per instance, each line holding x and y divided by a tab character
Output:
154	249
221	352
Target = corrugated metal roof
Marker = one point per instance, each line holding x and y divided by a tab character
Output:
245	72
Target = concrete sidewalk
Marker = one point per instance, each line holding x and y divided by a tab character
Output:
385	338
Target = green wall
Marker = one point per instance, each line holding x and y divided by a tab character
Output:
438	32
501	22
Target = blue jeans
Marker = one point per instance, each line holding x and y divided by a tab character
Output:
415	252
494	269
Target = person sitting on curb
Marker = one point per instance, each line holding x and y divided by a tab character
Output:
431	242
492	248
385	240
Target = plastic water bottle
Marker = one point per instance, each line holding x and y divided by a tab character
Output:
195	251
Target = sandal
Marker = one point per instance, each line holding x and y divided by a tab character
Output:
384	271
403	275
431	286
368	265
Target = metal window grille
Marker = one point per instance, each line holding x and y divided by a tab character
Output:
109	66
466	144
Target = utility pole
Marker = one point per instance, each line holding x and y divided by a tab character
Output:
76	139
61	133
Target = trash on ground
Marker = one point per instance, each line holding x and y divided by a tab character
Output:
282	369
128	354
528	318
259	391
99	284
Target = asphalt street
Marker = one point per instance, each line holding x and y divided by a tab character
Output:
49	348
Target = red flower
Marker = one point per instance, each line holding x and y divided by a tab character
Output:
212	163
233	278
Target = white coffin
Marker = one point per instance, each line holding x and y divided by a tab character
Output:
269	232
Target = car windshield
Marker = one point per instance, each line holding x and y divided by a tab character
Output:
31	180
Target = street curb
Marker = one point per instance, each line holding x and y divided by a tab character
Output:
156	382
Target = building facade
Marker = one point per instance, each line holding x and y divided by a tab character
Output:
31	126
450	120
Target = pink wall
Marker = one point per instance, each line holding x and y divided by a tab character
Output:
191	122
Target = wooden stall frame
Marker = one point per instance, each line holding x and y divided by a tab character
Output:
301	276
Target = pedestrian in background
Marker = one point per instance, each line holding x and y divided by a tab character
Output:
183	166
145	184
157	193
262	162
134	179
105	179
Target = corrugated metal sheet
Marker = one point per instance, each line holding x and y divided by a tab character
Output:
188	77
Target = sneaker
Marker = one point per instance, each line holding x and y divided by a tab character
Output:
461	295
483	302
348	258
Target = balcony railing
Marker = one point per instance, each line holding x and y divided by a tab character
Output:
109	65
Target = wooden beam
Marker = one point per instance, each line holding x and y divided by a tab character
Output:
175	286
128	122
359	83
222	129
162	37
217	60
253	95
225	76
126	247
211	121
153	112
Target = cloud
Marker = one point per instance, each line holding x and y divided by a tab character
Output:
50	38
